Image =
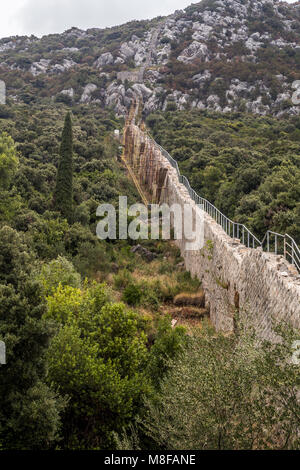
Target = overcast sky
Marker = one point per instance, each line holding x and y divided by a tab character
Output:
39	17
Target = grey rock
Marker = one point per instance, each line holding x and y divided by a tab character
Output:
69	92
88	90
40	67
127	51
60	68
140	250
194	51
105	59
142	90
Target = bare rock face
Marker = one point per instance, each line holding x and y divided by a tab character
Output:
152	76
43	66
40	67
119	60
115	98
7	46
154	102
257	107
105	59
194	51
142	90
213	102
127	51
163	54
69	92
60	68
88	90
201	78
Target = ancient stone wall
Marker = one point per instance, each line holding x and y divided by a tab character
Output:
238	281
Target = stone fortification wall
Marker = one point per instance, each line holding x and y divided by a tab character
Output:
257	286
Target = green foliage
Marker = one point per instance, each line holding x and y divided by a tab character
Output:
30	410
228	393
8	160
97	360
168	343
15	257
132	294
59	271
247	166
63	196
122	279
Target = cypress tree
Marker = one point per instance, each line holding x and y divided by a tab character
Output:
63	196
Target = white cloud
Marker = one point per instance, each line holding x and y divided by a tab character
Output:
51	16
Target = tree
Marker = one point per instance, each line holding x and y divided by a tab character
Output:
9	200
228	392
63	196
98	360
58	271
8	160
168	343
30	409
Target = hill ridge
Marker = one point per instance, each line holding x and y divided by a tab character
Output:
238	55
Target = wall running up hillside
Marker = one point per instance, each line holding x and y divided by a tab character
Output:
237	281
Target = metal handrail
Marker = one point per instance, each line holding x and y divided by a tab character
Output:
290	249
235	230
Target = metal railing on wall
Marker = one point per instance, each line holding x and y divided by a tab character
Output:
272	242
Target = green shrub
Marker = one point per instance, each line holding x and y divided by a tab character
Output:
122	279
132	295
150	299
59	271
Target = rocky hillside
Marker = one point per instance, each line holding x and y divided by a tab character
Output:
223	55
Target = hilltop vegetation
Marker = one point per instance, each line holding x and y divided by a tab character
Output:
233	55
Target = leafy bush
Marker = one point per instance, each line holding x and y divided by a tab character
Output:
122	279
59	271
224	392
97	359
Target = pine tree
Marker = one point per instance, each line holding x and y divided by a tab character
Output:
63	196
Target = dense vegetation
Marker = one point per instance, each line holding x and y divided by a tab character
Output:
93	360
78	360
249	167
208	400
